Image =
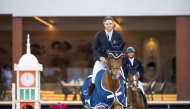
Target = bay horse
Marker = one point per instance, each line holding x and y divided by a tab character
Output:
110	77
133	92
108	80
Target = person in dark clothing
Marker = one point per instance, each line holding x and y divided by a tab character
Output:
173	79
100	44
7	79
1	86
132	63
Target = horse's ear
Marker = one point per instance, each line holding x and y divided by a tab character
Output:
112	47
122	46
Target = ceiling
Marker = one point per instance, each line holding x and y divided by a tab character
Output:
92	23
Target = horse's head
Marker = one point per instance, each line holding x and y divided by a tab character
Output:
133	78
115	55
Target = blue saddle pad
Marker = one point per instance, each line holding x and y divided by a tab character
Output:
84	90
100	96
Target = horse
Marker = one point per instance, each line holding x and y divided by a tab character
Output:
133	92
110	77
110	80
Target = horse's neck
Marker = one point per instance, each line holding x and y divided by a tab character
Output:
134	96
109	83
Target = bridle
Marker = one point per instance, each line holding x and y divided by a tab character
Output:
116	55
134	82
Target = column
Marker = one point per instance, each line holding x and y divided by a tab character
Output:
183	58
16	43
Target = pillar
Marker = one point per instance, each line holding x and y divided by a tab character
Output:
183	57
16	43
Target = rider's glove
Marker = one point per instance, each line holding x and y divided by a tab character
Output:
138	73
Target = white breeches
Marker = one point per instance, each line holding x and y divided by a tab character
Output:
139	86
99	65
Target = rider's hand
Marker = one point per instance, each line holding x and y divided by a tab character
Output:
103	59
138	73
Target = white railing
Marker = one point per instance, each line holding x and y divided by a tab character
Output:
45	103
13	95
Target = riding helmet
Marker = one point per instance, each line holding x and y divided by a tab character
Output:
130	49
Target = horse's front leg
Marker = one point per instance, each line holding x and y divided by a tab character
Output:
116	105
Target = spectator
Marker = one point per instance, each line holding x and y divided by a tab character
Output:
76	80
174	70
1	85
7	78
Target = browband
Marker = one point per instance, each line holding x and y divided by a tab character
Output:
116	54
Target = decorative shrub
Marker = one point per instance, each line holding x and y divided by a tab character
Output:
58	106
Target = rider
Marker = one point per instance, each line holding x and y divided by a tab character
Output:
131	63
100	44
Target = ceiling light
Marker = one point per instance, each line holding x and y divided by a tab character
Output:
43	21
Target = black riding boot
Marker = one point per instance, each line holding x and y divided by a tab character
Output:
90	89
145	101
125	86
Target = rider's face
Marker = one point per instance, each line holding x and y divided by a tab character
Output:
130	54
108	24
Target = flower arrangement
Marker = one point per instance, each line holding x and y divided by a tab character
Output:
58	106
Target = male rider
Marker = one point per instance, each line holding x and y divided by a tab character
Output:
100	44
